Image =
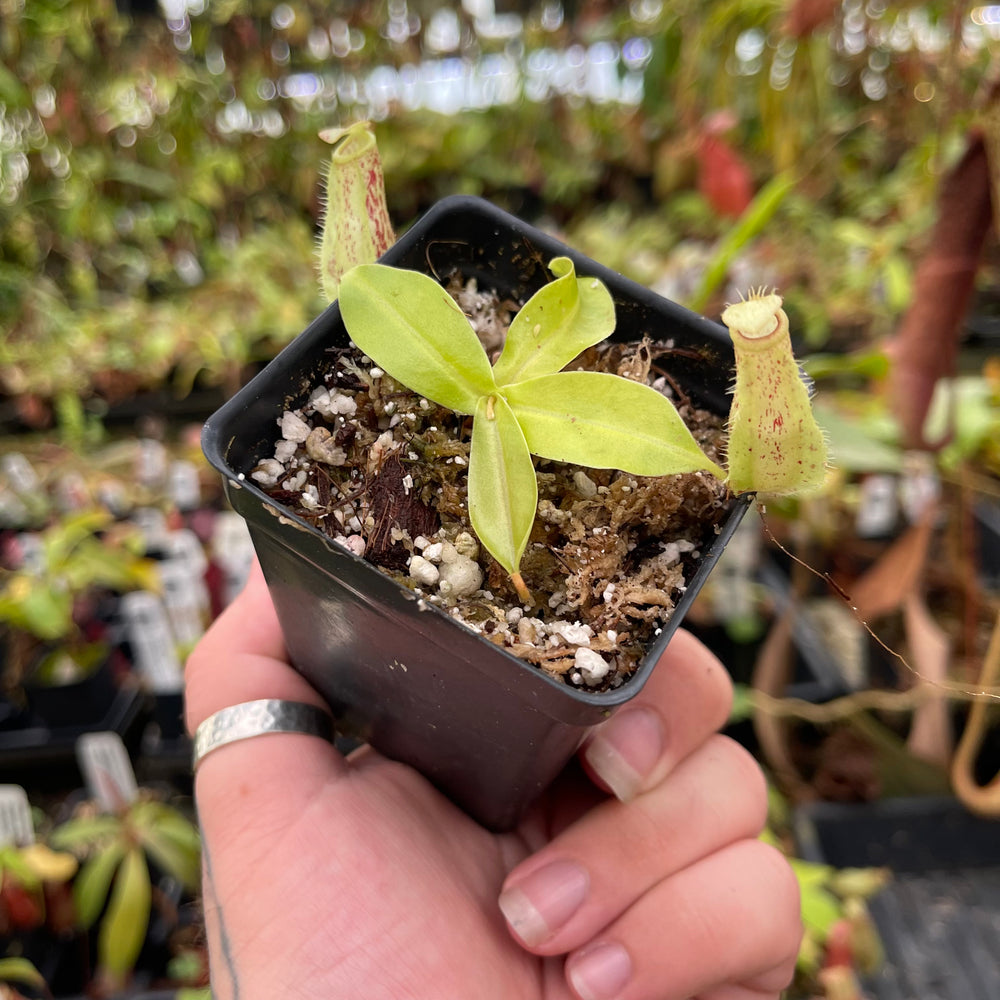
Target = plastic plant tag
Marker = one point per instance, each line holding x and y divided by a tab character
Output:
151	462
183	485
31	550
919	487
152	523
15	817
107	770
19	473
185	598
232	549
152	640
878	510
71	493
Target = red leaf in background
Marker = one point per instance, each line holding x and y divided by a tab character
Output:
723	176
805	16
926	343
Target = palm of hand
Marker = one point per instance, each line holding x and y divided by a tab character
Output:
382	871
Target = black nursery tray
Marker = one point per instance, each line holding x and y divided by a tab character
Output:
939	917
43	757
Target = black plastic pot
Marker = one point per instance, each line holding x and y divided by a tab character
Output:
488	729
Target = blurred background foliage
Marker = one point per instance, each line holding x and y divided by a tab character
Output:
159	163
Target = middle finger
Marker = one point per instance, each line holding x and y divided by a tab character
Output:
589	874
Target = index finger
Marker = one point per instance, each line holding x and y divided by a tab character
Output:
686	699
242	658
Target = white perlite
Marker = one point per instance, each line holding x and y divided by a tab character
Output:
293	427
268	472
459	577
330	403
424	571
592	666
575	634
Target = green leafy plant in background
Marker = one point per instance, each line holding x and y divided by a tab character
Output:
523	405
114	885
81	553
16	972
25	871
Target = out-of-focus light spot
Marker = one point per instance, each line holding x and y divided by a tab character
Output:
924	91
187	267
280	51
985	15
318	44
266	90
645	11
636	53
552	17
167	144
215	60
283	16
750	45
873	85
126	136
443	33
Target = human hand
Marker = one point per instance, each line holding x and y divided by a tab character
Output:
330	878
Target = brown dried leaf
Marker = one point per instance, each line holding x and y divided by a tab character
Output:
930	736
925	345
897	574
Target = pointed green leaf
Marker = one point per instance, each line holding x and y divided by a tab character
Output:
604	421
413	329
557	323
503	491
183	861
84	831
20	970
123	928
90	888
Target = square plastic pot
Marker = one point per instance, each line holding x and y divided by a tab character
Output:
490	730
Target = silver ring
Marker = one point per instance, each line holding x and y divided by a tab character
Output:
258	718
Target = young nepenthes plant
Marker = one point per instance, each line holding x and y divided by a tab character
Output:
524	404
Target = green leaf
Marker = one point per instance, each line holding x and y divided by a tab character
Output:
413	329
604	421
123	928
820	909
556	324
84	831
757	215
171	848
90	888
20	970
503	490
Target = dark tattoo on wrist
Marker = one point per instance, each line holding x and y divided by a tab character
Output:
225	982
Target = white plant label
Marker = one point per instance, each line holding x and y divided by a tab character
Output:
32	553
185	598
153	643
152	523
20	473
183	485
151	462
878	510
107	770
16	827
232	549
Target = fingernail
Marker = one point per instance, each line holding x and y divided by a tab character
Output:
538	905
600	973
625	750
